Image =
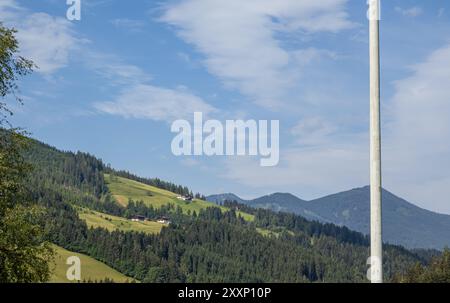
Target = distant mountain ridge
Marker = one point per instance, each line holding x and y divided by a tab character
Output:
220	198
403	222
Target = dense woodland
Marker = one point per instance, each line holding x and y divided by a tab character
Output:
211	246
438	271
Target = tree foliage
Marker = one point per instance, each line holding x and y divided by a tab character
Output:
24	255
12	67
438	271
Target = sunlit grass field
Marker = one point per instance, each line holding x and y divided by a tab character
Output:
267	233
124	189
91	269
96	219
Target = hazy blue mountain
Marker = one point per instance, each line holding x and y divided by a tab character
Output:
403	222
219	199
279	202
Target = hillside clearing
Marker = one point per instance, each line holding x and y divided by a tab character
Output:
124	189
91	269
96	219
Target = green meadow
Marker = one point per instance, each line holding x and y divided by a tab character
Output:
91	269
124	189
96	219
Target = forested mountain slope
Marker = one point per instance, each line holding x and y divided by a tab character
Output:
403	222
209	244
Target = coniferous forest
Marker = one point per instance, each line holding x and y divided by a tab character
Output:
211	246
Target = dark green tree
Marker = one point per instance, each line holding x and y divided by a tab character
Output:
24	254
438	271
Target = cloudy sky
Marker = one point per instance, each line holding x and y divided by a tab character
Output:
112	84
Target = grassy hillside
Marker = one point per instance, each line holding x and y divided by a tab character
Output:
96	219
124	189
91	269
267	232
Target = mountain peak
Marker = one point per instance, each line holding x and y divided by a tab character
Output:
279	195
221	198
403	222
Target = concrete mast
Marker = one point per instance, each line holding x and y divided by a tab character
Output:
376	249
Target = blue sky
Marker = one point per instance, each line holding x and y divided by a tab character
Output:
112	84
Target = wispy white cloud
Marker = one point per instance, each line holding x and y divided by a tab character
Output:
129	24
309	55
113	68
313	131
9	9
188	60
417	136
155	103
49	42
410	12
138	98
315	170
238	39
46	40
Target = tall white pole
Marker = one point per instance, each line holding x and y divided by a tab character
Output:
376	243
